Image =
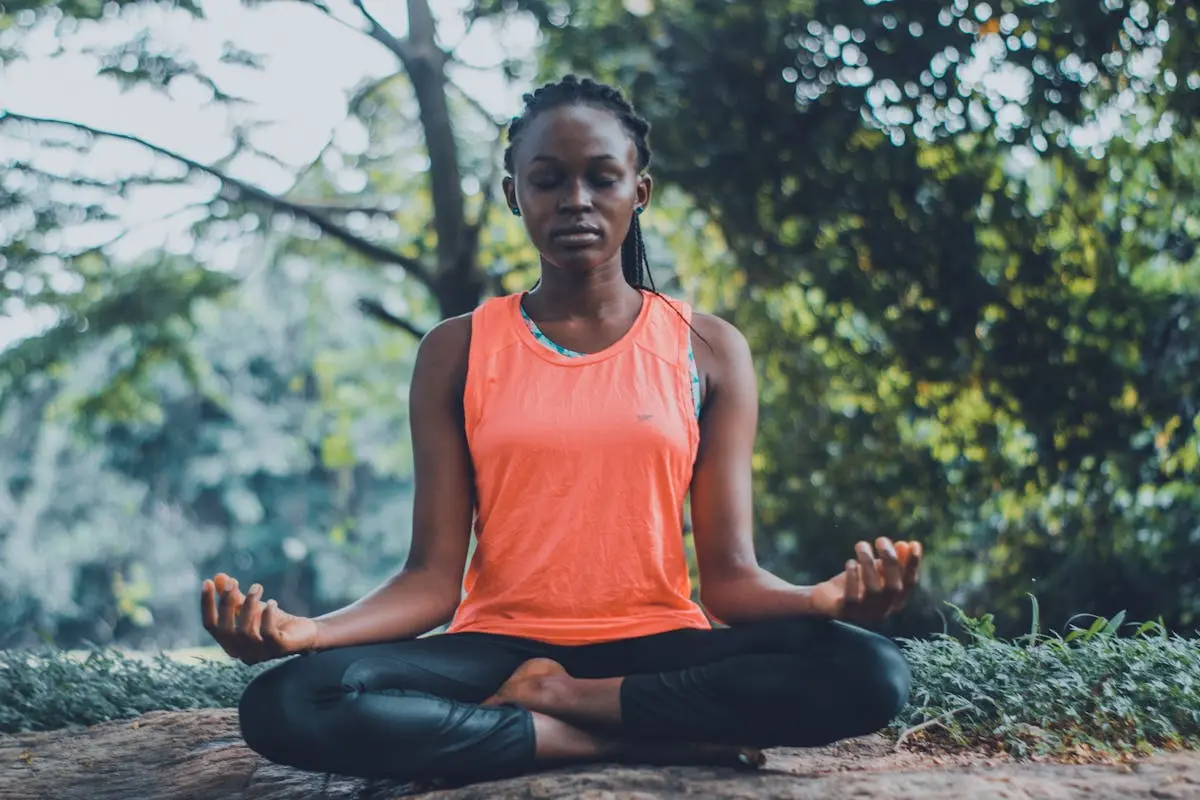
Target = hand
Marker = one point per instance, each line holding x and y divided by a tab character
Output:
249	629
873	585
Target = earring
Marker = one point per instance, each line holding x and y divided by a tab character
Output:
638	209
516	211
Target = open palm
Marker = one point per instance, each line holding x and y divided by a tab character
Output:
874	584
249	629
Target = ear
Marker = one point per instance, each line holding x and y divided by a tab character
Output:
510	192
645	188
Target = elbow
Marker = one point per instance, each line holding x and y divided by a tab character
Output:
445	611
723	611
452	597
440	591
724	598
716	612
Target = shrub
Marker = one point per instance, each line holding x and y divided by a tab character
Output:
41	691
1092	692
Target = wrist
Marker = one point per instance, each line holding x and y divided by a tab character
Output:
320	636
823	600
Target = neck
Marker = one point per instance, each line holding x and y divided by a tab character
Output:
594	293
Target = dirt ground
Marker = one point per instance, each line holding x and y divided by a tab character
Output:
198	755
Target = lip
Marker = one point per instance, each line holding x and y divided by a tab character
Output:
575	231
576	237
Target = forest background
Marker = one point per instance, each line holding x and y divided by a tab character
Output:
959	236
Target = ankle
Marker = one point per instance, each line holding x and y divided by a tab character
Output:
559	741
549	693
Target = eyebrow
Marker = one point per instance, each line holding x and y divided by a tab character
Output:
553	160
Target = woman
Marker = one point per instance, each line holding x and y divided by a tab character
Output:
570	423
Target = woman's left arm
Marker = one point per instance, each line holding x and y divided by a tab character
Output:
733	587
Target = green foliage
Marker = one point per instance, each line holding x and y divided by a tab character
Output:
26	12
150	307
970	299
972	302
1091	692
279	455
46	691
220	402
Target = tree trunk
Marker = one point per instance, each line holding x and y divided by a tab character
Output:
459	291
198	755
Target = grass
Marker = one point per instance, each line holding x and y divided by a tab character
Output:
1108	690
1093	694
57	689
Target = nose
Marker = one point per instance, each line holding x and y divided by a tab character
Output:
575	197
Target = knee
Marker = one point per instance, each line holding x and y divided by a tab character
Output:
264	711
884	681
869	669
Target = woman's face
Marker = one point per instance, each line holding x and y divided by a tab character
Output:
576	183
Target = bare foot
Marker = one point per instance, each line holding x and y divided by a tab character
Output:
524	681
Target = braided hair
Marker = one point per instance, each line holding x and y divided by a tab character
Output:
573	91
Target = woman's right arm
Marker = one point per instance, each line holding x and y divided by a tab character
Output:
426	591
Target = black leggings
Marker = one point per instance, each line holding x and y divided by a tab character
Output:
408	710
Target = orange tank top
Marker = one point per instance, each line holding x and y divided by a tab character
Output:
581	465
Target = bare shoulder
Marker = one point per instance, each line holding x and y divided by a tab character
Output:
720	348
449	337
446	344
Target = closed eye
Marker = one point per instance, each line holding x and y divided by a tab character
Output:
546	184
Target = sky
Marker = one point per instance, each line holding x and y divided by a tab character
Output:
312	63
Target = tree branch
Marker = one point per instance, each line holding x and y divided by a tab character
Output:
399	47
375	309
333	206
475	104
249	192
488	199
327	11
425	64
360	95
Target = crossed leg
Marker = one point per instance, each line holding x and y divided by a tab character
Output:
794	681
420	709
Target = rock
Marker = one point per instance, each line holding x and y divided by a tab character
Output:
198	755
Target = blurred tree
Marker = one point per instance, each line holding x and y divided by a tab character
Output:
965	245
289	467
222	382
237	413
422	230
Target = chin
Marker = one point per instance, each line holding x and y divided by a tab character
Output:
584	259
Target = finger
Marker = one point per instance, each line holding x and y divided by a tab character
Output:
228	609
902	551
853	589
912	567
225	583
269	626
893	572
868	569
208	605
250	615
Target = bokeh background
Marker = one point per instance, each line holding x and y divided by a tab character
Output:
960	237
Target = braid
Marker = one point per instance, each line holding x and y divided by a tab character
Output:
635	266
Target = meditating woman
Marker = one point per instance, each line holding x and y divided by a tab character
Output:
566	426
